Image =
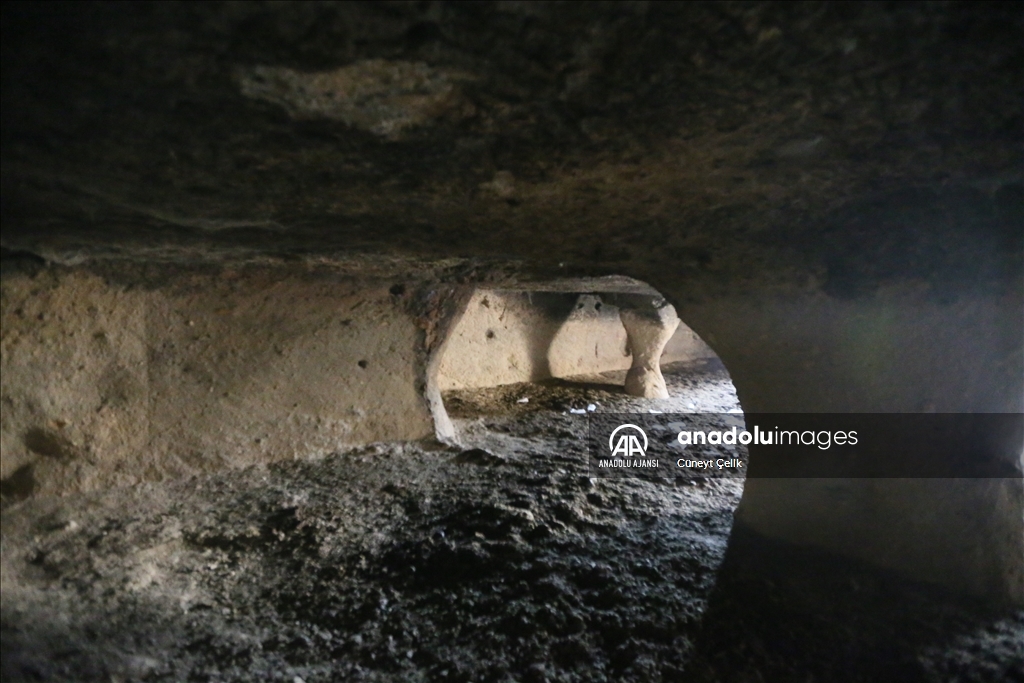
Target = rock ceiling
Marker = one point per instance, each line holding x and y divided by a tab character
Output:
726	142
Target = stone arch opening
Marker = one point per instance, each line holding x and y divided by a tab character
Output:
541	369
615	333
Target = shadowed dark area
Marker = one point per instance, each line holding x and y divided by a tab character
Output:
781	612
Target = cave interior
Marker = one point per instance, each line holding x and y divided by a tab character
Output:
312	314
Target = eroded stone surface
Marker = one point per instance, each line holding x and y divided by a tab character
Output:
380	96
508	336
830	195
648	330
498	560
107	383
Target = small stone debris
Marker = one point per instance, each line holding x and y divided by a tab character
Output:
478	456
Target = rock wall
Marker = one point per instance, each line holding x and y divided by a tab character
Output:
900	350
506	337
110	378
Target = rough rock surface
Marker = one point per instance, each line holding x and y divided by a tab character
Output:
504	337
829	194
726	145
499	561
119	374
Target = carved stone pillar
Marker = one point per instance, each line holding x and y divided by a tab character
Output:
648	329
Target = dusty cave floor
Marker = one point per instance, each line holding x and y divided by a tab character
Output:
498	561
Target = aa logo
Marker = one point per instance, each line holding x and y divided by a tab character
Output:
628	443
